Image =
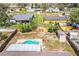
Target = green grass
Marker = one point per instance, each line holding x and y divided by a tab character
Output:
52	44
17	26
68	48
56	45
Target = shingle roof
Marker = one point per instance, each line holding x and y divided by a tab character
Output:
55	18
22	17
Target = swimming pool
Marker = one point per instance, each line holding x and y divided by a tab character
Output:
26	45
30	42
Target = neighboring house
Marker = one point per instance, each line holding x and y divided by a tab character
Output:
48	19
66	26
62	20
23	18
30	10
52	9
36	10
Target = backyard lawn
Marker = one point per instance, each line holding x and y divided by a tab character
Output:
55	45
50	41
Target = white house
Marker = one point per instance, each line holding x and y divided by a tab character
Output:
52	9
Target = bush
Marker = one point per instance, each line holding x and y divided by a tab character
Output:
50	29
23	27
37	20
53	28
3	36
26	28
17	26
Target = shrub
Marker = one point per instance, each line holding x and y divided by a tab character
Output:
17	26
50	29
26	28
37	20
53	28
3	36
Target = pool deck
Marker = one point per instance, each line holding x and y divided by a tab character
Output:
31	53
26	53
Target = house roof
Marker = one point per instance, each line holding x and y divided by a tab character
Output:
22	17
55	17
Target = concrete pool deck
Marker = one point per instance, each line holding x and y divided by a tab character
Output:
23	53
31	53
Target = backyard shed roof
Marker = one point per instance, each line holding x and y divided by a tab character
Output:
55	18
22	16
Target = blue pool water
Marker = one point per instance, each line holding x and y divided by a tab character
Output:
30	42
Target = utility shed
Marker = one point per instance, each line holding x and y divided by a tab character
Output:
61	36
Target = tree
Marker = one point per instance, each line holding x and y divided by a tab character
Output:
71	5
23	5
61	6
43	6
26	28
3	16
75	5
37	20
22	8
53	27
23	11
3	36
32	5
74	15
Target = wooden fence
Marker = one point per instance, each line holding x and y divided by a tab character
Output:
73	46
7	41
